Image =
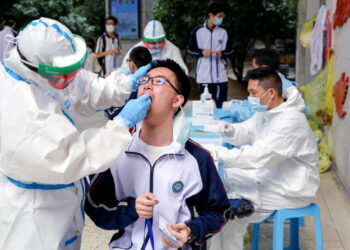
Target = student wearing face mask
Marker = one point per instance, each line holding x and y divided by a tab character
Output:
171	177
276	166
108	46
155	41
210	43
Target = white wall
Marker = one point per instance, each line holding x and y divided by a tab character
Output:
306	10
339	132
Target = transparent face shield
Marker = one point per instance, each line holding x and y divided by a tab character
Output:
65	69
154	45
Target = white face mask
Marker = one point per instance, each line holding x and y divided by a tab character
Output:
181	130
110	28
155	51
255	103
218	21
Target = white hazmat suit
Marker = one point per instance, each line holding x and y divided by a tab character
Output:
154	34
276	168
43	155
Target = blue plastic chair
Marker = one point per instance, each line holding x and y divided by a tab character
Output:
295	216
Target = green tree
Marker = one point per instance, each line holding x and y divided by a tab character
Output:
247	20
81	17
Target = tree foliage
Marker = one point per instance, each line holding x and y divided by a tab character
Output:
82	17
246	20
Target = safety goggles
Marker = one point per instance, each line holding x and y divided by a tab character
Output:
155	80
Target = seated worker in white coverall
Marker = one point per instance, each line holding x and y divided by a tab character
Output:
43	154
160	48
240	110
277	165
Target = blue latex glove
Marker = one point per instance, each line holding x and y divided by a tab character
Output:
135	110
305	110
234	109
241	112
140	72
124	70
246	111
241	208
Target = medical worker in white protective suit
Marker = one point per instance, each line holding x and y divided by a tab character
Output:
277	165
160	48
43	155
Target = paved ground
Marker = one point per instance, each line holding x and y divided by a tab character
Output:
333	201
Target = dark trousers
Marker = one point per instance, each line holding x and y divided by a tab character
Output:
218	92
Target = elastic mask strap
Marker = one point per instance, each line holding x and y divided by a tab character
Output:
268	103
182	111
10	39
263	96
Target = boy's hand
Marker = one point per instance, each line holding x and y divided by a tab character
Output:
144	205
206	52
180	231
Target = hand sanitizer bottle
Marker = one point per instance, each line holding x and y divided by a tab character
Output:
205	96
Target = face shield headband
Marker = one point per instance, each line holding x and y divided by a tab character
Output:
154	44
58	77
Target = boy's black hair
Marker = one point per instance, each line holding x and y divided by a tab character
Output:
215	8
9	19
140	56
268	57
268	78
182	80
115	20
90	44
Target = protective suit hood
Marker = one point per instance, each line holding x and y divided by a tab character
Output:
153	32
13	63
43	39
294	101
48	48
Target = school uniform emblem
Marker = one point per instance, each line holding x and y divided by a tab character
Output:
178	186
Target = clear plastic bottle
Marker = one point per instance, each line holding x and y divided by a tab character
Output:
205	96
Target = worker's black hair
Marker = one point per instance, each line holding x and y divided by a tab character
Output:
182	80
215	8
115	20
268	78
9	19
140	56
268	57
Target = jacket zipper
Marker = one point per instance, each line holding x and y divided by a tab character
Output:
151	179
211	58
151	167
